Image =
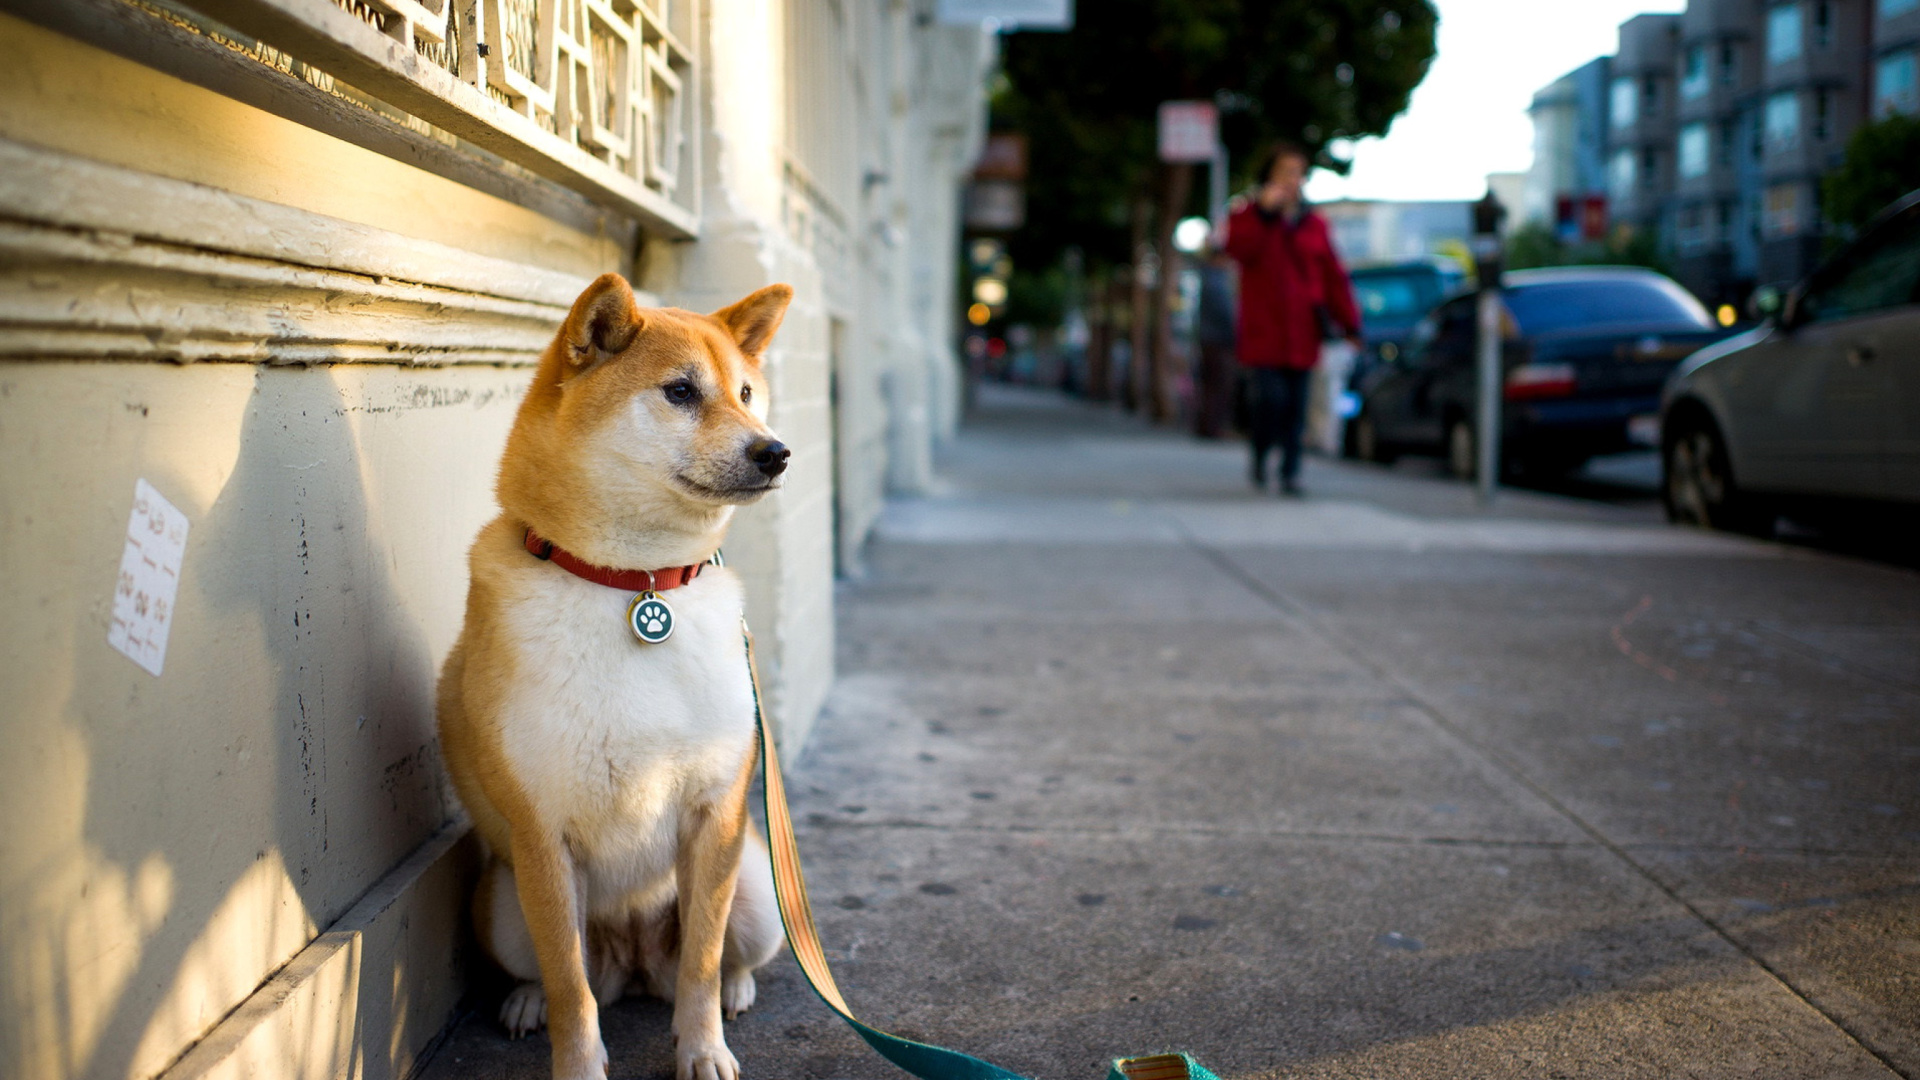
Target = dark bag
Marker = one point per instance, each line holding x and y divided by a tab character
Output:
1323	318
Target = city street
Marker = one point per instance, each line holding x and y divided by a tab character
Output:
1125	757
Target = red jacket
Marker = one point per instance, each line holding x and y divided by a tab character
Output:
1286	270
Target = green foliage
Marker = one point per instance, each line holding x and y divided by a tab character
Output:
1309	70
1534	244
1038	298
1882	164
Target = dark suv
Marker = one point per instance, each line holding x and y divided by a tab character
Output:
1585	351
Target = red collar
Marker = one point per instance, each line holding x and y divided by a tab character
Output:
628	580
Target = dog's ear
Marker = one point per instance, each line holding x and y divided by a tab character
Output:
753	320
604	321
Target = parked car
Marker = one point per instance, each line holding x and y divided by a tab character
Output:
1393	297
1819	402
1585	351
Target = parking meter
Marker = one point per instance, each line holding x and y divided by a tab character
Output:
1487	259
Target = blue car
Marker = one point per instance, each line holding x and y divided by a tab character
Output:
1585	352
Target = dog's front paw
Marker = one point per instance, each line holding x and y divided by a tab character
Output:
736	993
524	1011
590	1066
707	1060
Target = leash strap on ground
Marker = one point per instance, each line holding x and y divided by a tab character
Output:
921	1059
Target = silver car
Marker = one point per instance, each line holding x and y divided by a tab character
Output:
1821	401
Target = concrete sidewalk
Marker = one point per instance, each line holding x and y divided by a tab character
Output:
1125	757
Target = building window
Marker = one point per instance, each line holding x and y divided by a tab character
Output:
1649	95
1620	175
1822	108
1782	122
1890	8
1729	66
1782	217
1693	78
1896	85
1723	225
1822	23
1723	146
1693	234
1783	33
1624	103
1693	150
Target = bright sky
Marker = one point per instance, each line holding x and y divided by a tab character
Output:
1468	117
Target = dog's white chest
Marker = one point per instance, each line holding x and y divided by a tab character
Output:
615	736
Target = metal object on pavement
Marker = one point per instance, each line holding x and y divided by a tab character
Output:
1487	258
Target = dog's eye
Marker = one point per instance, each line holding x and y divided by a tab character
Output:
746	395
680	391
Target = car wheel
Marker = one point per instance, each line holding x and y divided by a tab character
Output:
1366	441
1463	450
1698	485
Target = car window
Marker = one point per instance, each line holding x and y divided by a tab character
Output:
1424	333
1395	298
1883	273
1579	305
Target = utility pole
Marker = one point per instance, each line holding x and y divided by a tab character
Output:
1488	259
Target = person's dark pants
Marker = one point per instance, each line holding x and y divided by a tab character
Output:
1277	400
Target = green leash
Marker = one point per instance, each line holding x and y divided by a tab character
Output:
921	1059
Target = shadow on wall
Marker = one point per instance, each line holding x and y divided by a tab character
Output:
239	804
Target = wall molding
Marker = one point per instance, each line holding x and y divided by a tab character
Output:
102	262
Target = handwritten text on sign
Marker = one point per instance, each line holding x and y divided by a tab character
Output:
149	578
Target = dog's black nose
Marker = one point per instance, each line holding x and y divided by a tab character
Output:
769	456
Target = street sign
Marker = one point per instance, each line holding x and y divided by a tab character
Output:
1189	130
1008	14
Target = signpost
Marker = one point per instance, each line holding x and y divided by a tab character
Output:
1190	134
1189	131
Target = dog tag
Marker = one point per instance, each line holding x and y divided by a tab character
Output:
650	618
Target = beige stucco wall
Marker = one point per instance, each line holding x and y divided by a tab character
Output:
177	839
314	351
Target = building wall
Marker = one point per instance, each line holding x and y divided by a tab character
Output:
1771	119
1641	143
1570	145
305	316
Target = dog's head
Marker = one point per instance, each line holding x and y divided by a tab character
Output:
655	413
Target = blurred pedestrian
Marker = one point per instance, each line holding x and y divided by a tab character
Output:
1213	330
1294	295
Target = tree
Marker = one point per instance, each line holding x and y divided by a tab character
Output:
1313	71
1309	70
1882	164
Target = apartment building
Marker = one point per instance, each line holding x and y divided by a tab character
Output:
1720	123
1567	184
273	274
1640	123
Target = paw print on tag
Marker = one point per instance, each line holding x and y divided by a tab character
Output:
650	618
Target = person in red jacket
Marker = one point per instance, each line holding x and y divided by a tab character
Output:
1294	294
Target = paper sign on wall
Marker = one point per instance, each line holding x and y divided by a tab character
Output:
149	578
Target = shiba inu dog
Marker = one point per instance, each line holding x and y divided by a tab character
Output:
604	745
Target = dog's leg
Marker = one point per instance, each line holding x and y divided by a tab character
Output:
503	932
550	897
708	866
754	932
